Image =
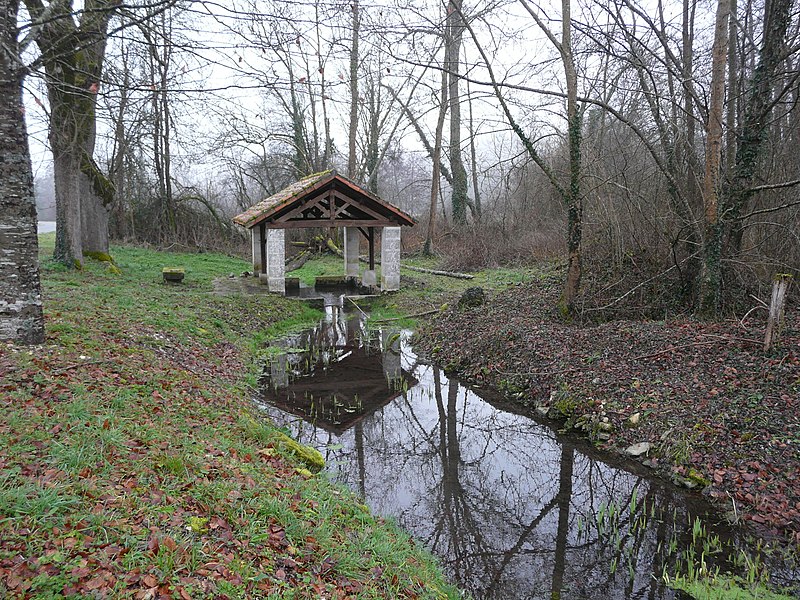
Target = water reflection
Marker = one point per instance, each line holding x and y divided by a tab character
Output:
510	510
336	374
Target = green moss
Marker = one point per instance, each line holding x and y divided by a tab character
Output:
174	270
324	266
99	256
697	477
101	185
309	456
510	387
564	404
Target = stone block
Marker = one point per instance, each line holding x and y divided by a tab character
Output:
276	257
329	281
369	278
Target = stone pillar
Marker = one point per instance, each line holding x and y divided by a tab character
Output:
276	259
352	239
255	233
390	259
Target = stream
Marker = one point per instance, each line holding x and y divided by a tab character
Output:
510	508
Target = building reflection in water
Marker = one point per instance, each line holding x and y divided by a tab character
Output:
336	374
510	510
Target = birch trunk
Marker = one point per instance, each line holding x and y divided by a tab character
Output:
21	319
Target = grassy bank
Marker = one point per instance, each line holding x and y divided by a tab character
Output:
133	464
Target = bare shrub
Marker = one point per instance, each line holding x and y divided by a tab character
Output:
493	245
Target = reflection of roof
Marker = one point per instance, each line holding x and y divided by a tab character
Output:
323	199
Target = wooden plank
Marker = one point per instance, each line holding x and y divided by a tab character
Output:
306	223
363	208
311	203
332	182
402	218
276	210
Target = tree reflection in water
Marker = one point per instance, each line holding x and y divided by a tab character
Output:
510	510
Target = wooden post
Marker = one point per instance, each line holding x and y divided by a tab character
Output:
371	248
780	286
262	228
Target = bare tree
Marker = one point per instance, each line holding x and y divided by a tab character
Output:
762	98
454	30
437	156
570	191
72	54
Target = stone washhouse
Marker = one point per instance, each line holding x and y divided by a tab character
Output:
326	200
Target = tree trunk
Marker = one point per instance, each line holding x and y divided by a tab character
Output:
352	133
455	29
564	501
573	198
437	155
711	277
66	172
73	57
372	159
118	159
690	162
326	125
97	196
733	87
473	158
160	59
756	119
21	319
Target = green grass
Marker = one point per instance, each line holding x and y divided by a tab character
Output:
131	455
324	266
724	588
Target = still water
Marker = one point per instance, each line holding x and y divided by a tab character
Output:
510	509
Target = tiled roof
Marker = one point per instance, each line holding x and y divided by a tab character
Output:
304	188
286	196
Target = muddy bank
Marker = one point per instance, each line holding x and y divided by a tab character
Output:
702	401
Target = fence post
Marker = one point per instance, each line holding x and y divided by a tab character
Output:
780	285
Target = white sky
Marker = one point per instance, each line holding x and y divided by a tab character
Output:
219	73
